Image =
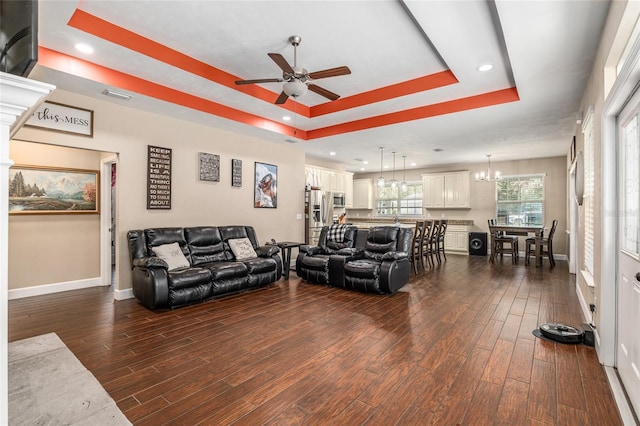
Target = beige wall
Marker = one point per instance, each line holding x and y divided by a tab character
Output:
39	244
483	196
127	132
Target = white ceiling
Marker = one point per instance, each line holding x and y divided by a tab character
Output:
545	49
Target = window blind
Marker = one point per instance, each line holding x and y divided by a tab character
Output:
587	130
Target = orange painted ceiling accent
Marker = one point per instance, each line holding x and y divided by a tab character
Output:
68	64
420	84
108	31
448	107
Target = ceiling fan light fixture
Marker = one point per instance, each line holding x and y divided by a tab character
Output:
294	88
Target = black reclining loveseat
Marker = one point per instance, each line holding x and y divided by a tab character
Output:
373	261
199	263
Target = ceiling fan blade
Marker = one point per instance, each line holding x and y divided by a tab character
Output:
282	98
281	62
323	92
259	80
331	72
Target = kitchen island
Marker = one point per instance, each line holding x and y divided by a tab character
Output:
456	238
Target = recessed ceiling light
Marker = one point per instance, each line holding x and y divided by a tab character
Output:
386	167
413	164
84	48
362	169
485	67
365	162
286	118
332	153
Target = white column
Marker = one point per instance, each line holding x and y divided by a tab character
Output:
19	97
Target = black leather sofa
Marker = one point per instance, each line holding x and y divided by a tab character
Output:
373	261
384	266
323	264
212	269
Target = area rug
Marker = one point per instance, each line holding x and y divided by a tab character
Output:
48	385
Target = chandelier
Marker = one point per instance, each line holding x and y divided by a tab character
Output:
489	176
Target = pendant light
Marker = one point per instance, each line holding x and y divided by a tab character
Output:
403	185
488	177
394	182
381	178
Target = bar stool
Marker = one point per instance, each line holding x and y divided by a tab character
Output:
416	246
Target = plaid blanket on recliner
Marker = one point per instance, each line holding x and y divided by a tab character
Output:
336	233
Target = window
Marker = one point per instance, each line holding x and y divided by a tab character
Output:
587	129
520	200
391	201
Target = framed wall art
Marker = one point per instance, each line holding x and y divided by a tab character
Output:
209	167
236	172
265	186
51	190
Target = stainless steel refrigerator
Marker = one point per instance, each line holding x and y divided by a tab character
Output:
318	210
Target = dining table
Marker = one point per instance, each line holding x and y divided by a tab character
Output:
519	230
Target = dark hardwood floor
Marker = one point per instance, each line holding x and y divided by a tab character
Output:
455	346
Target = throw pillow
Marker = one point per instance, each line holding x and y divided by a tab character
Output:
172	254
242	248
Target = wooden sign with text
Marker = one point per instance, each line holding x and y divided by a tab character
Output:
158	178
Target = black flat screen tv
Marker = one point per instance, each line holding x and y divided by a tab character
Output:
18	36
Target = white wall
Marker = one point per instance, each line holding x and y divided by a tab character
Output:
128	132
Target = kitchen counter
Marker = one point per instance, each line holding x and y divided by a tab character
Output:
367	222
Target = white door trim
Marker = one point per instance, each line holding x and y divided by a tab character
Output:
105	218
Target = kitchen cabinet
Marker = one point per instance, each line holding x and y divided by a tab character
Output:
446	190
456	240
433	191
348	190
363	194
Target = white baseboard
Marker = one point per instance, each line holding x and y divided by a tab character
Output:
123	294
39	290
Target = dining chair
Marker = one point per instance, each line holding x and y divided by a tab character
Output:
503	243
546	246
416	246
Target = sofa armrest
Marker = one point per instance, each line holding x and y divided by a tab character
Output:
304	248
394	255
150	262
151	286
311	250
350	251
267	251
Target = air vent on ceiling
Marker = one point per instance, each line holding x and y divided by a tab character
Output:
291	140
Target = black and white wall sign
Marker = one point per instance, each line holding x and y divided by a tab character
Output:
158	178
62	118
209	167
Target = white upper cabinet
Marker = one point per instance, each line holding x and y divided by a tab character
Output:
446	190
363	194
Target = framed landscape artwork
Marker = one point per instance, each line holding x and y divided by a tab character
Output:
266	186
50	190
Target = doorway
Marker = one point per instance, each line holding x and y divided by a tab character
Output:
108	220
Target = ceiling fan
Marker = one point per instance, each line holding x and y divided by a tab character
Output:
298	79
